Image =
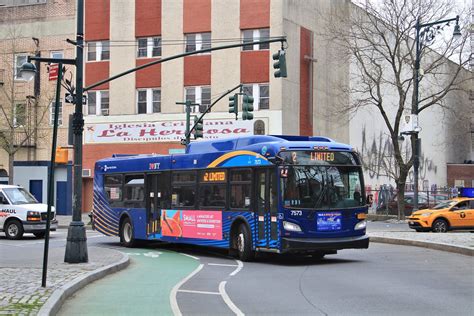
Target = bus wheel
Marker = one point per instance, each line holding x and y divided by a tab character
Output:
14	229
243	242
126	233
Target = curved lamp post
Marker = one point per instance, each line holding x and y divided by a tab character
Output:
425	32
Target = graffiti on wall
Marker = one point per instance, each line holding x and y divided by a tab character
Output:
378	158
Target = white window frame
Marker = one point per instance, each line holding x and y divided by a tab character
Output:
149	47
256	94
57	54
51	113
198	97
17	67
149	100
98	104
198	42
255	37
98	51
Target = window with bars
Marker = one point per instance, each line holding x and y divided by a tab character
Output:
255	35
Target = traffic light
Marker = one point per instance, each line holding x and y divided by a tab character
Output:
247	107
279	64
234	104
198	128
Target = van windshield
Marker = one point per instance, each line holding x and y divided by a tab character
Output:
19	196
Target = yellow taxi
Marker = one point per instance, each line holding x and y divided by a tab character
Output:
457	213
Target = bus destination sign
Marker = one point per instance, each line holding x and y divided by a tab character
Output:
213	176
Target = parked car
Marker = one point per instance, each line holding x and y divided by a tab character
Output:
457	213
391	207
435	199
21	213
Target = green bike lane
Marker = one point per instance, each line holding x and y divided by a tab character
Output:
143	288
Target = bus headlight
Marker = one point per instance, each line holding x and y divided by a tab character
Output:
291	227
360	225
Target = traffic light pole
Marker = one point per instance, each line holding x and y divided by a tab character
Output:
187	139
188	105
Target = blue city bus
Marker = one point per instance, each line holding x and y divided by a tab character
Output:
281	194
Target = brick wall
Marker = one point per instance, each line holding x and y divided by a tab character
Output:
461	172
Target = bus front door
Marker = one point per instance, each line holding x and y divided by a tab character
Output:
266	197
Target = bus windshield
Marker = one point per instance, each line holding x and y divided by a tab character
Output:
321	187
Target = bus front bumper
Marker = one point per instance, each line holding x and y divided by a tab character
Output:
310	244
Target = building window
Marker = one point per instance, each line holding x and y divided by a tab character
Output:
260	93
98	103
148	101
60	113
255	35
19	61
149	47
200	96
57	54
19	114
197	41
97	51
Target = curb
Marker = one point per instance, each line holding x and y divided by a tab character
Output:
425	244
56	300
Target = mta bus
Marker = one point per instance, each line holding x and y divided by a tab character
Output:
280	194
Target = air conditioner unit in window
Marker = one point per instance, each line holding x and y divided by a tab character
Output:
104	112
86	173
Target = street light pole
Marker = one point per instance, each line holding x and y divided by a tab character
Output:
427	34
76	246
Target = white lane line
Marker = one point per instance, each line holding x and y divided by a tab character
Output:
174	291
199	292
227	299
222	264
185	254
240	265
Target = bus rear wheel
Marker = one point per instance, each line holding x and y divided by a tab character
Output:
243	243
126	234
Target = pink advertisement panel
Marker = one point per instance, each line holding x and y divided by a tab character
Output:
192	224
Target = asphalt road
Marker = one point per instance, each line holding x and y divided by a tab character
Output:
166	279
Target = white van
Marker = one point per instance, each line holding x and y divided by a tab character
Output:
21	213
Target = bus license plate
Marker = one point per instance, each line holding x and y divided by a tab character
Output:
329	221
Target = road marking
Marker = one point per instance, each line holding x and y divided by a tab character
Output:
240	265
185	254
199	292
227	299
174	291
222	264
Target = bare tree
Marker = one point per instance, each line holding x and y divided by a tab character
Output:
378	38
23	118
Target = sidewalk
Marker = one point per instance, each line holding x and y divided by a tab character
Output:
398	232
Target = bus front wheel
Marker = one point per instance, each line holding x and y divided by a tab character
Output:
126	233
243	242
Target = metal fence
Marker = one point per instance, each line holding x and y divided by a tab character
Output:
385	199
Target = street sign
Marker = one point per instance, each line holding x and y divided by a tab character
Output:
53	71
68	98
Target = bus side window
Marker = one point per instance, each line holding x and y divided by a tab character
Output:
113	189
134	191
240	188
183	192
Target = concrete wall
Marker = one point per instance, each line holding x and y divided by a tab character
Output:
122	91
328	73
